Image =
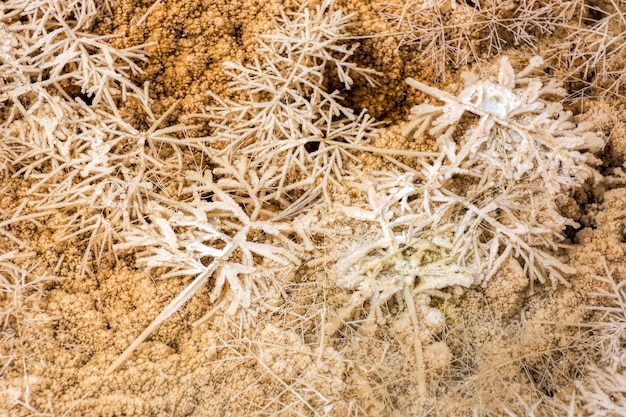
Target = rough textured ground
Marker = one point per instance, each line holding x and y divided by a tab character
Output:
503	346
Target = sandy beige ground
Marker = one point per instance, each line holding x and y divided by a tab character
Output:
502	346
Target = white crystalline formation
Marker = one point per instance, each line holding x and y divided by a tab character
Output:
487	199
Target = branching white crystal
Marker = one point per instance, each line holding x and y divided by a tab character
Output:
488	196
287	118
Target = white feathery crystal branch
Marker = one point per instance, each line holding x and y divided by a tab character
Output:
412	251
59	96
286	117
487	199
497	184
521	133
594	49
211	234
51	38
452	34
94	169
602	392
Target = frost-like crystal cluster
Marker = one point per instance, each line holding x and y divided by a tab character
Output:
236	208
287	117
505	150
